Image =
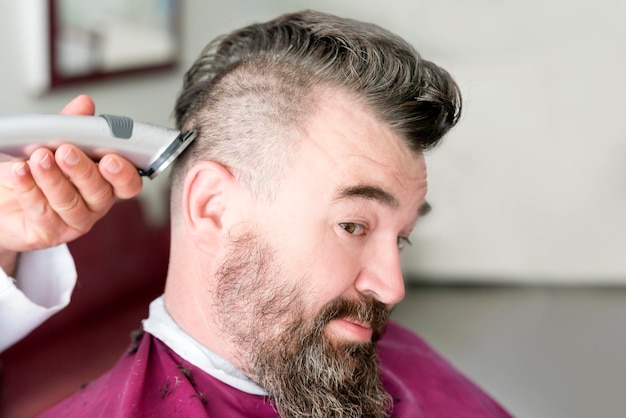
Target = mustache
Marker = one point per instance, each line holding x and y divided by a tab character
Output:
366	310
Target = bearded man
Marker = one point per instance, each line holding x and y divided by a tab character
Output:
289	212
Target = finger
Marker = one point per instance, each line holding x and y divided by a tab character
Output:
82	172
32	200
61	197
122	175
5	174
29	196
81	105
19	176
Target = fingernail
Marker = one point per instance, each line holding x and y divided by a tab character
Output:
45	162
19	168
71	157
113	166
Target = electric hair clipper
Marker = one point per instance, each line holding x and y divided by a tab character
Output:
150	148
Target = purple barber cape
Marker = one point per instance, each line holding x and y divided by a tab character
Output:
150	380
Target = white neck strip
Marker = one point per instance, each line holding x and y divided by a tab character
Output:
161	325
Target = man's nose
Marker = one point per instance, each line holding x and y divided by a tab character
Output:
381	275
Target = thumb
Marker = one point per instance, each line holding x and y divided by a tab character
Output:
81	105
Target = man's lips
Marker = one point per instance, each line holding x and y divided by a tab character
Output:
349	330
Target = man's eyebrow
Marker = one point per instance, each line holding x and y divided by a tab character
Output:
369	193
376	193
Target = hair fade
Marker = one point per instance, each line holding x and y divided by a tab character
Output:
249	88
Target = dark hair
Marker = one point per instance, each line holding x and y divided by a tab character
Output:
248	90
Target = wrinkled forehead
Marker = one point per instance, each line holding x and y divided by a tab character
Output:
342	126
344	140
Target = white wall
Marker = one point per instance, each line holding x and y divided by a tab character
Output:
531	185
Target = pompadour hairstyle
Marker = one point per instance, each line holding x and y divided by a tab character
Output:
249	90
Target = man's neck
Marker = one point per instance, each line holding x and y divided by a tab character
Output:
186	302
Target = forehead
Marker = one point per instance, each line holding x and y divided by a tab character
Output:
344	140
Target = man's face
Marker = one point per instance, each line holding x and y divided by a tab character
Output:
351	194
309	280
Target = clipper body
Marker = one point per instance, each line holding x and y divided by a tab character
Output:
150	148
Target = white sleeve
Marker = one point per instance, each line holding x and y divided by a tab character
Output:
43	285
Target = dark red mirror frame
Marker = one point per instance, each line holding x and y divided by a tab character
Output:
57	78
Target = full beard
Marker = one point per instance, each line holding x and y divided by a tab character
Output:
304	373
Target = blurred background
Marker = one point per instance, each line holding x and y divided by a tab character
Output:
518	274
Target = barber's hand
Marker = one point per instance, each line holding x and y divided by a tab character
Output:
55	197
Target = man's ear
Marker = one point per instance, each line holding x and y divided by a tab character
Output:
206	186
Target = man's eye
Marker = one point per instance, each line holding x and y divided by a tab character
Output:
403	242
353	228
